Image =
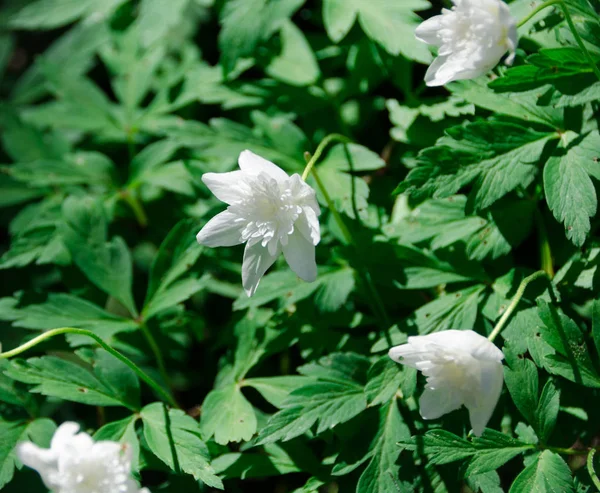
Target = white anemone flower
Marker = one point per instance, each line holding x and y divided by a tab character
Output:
74	463
268	210
462	367
472	38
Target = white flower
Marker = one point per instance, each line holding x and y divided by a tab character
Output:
74	463
269	211
462	367
472	37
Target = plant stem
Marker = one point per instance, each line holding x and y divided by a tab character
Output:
136	207
513	304
376	302
590	468
70	330
535	11
579	40
320	149
545	251
571	25
160	361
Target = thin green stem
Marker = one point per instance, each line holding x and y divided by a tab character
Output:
136	207
375	299
320	149
590	468
545	251
566	451
515	301
70	330
579	40
160	361
535	11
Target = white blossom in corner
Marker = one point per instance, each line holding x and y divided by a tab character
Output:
472	38
268	210
462	367
74	463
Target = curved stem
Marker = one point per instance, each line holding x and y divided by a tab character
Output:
579	40
136	207
124	359
515	301
535	11
320	149
590	468
545	251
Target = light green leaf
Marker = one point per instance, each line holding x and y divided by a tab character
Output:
277	389
548	474
228	416
570	192
174	437
391	24
296	63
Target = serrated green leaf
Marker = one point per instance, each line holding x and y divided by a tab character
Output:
570	192
123	431
174	438
228	416
548	474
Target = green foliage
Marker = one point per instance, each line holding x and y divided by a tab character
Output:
111	112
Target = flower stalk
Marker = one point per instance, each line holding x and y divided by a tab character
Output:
514	302
124	359
561	4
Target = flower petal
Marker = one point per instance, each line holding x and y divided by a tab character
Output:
428	30
254	164
308	225
435	403
257	260
221	230
299	253
44	461
225	186
482	401
64	435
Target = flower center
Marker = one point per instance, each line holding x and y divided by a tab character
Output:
267	211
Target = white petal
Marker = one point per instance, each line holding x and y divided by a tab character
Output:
436	403
44	461
64	436
439	73
221	230
225	186
428	30
254	164
482	401
257	260
308	225
300	256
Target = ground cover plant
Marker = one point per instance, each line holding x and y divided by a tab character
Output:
299	246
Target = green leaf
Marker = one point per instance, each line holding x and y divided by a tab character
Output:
389	23
71	381
493	157
228	416
571	359
50	14
39	432
548	474
65	310
522	105
174	438
106	264
246	23
296	63
123	431
384	379
486	453
570	192
277	389
596	324
382	470
176	256
335	398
